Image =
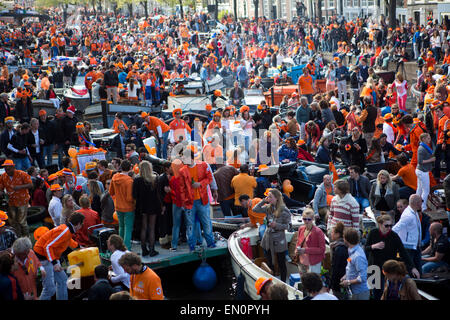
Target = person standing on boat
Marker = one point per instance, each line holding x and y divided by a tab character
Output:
179	129
274	241
310	245
355	278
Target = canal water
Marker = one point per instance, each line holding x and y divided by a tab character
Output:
177	281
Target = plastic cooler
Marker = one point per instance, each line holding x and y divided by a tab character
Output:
86	259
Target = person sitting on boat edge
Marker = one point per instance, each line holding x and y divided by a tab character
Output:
322	198
255	218
313	285
262	286
438	250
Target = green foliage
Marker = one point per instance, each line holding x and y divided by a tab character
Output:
223	13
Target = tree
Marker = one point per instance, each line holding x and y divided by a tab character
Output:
63	4
144	4
319	10
392	8
235	10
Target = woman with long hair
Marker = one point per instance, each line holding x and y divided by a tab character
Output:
288	152
95	195
274	239
148	205
118	249
339	256
384	195
375	153
399	286
69	207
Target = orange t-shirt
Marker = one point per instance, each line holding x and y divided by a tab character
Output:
408	175
194	175
17	198
306	85
255	217
146	285
116	124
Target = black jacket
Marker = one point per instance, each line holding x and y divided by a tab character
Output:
69	129
240	94
117	147
363	186
4	141
58	125
31	141
146	196
20	141
338	263
101	290
111	78
196	68
5	111
137	141
48	132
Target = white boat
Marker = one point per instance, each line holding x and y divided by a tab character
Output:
241	264
195	85
78	94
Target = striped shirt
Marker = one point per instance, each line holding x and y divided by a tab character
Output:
345	210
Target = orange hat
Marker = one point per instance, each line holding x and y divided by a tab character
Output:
301	142
67	172
416	120
217	114
79	125
8	162
3	216
90	166
144	114
262	167
294	94
243	109
42	112
388	116
9	119
25	77
266	193
39	232
208	107
217	93
259	284
52	177
177	110
55	187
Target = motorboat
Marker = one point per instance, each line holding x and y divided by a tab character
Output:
78	94
38	104
194	85
252	98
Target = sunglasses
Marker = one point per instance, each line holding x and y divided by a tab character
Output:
388	225
307	219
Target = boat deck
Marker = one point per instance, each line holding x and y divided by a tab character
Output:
167	258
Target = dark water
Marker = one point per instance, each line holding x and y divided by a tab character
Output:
177	281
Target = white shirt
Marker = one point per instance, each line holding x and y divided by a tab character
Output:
324	296
36	140
120	274
55	210
387	129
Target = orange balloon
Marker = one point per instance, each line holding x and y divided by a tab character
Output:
72	152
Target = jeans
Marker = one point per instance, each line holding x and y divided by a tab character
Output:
342	90
47	152
428	267
22	163
202	212
54	51
53	282
126	221
361	296
27	62
62	150
309	97
39	159
164	145
363	203
262	229
226	206
177	213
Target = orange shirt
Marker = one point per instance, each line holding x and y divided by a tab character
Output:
408	175
243	184
155	122
255	217
26	274
441	125
194	175
306	85
146	285
116	124
17	198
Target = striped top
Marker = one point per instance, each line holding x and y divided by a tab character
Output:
345	210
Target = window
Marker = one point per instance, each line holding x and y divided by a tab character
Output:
330	3
363	3
370	3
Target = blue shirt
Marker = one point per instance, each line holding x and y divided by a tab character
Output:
357	269
122	77
341	73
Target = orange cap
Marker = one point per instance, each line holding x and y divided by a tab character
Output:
55	187
259	284
3	216
8	162
301	142
52	177
208	107
243	109
42	112
144	114
39	232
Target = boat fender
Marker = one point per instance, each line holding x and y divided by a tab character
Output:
204	278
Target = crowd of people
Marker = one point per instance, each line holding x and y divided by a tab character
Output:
360	120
